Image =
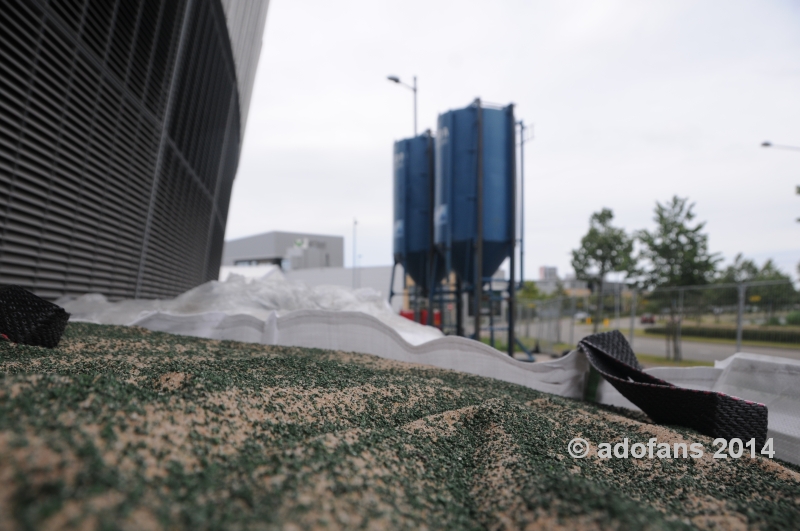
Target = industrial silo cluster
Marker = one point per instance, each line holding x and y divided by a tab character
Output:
455	218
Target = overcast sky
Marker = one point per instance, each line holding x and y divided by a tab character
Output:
631	103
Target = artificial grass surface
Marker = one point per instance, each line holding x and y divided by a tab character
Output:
122	428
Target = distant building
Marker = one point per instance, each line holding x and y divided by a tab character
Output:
288	250
574	287
548	273
548	280
549	283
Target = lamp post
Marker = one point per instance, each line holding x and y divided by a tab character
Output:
413	88
522	141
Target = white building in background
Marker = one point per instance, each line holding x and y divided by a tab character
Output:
288	250
313	259
549	282
548	273
574	287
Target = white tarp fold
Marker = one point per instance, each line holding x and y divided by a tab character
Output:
359	332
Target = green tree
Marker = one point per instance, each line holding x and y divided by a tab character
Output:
604	249
676	254
770	297
530	291
746	270
741	270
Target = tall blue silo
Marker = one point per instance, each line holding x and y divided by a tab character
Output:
475	199
413	202
475	180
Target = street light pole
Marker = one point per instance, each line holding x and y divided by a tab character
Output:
522	204
415	105
522	141
413	88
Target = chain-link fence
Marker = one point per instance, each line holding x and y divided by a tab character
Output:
706	322
550	325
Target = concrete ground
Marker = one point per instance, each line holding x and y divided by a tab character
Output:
692	350
707	351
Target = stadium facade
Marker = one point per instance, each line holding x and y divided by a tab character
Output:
121	123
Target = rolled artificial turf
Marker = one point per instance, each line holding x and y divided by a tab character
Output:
122	428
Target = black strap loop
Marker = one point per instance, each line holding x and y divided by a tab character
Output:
711	413
30	320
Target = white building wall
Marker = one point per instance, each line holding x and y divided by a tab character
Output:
298	250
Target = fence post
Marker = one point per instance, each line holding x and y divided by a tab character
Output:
540	334
528	316
558	319
633	315
670	335
740	317
678	345
572	323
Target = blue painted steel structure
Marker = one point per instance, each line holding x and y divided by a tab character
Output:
413	188
475	200
459	163
413	222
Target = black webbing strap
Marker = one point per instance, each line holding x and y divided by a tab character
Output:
30	320
711	413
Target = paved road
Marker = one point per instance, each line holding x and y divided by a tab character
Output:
697	350
692	350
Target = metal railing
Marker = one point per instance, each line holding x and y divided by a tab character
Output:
711	318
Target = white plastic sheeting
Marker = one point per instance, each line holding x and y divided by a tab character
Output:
273	311
360	332
256	297
251	272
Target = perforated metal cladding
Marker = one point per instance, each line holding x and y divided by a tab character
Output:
84	100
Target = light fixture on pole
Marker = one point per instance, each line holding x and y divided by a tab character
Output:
413	88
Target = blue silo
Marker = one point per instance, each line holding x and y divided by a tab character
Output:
413	201
475	180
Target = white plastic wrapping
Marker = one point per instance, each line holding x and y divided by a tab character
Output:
257	297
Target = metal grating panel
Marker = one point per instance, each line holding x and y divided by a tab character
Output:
84	91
